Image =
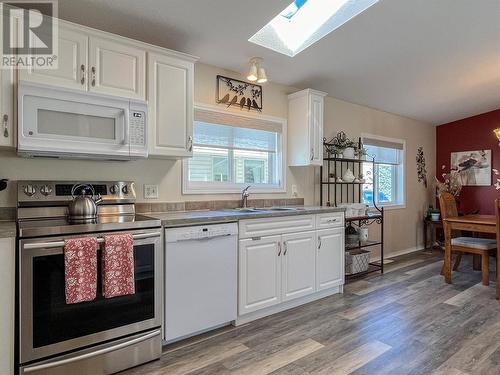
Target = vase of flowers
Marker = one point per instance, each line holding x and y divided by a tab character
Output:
452	183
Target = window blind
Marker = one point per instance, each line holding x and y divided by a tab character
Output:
231	131
384	152
229	137
230	119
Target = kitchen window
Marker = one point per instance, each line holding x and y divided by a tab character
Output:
386	180
232	151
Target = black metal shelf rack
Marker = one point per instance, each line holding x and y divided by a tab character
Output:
332	193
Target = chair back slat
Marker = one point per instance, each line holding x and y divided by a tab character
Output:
448	205
497	206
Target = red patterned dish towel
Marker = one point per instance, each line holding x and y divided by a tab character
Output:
118	266
80	269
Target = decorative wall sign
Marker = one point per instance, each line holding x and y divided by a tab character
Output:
233	92
474	167
421	168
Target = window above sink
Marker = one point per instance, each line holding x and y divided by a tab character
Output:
232	151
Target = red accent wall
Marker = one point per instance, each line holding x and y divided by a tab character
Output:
473	133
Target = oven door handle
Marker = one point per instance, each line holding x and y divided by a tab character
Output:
92	354
50	245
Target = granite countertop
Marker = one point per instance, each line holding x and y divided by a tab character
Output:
8	229
175	219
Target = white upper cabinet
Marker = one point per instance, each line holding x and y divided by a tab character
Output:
330	259
72	63
170	96
95	61
7	133
305	128
7	116
117	68
299	265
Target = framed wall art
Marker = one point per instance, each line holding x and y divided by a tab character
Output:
474	167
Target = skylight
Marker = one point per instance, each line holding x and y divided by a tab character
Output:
304	22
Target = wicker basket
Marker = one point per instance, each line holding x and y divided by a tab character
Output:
356	261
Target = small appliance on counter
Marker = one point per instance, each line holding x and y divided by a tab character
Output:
101	336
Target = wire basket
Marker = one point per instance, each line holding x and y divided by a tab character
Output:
356	261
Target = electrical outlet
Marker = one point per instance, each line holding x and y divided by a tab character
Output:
294	191
150	191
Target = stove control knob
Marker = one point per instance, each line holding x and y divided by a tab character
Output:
114	189
46	190
125	189
29	190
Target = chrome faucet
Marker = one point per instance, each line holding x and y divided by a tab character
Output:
244	197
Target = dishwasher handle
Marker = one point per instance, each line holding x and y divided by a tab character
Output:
204	238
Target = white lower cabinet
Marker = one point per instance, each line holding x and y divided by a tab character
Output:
330	258
298	265
7	303
259	273
282	269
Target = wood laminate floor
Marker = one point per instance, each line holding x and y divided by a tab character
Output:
407	321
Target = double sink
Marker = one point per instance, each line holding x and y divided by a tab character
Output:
263	209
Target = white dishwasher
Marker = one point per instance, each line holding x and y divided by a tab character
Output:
201	265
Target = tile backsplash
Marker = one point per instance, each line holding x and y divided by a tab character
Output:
215	205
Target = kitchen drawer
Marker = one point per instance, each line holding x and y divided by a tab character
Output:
276	225
330	220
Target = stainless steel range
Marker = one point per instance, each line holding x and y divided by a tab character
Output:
102	336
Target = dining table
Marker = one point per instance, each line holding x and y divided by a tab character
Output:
475	224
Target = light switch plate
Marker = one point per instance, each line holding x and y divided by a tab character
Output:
150	191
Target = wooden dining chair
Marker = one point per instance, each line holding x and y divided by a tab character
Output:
472	245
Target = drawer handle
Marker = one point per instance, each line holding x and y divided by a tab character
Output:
331	221
93	76
82	80
5	126
82	357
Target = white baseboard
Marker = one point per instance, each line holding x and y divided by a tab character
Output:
398	253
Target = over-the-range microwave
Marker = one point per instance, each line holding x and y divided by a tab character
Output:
65	123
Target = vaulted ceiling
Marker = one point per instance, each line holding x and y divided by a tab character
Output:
431	60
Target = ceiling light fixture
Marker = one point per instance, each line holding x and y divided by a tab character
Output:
257	72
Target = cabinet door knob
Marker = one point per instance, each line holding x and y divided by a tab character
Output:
82	69
279	247
5	126
286	248
312	153
93	76
319	244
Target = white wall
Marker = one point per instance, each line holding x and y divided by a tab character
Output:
403	226
165	173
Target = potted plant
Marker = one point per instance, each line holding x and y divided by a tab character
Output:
341	146
350	150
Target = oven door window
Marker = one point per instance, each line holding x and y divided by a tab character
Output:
55	321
